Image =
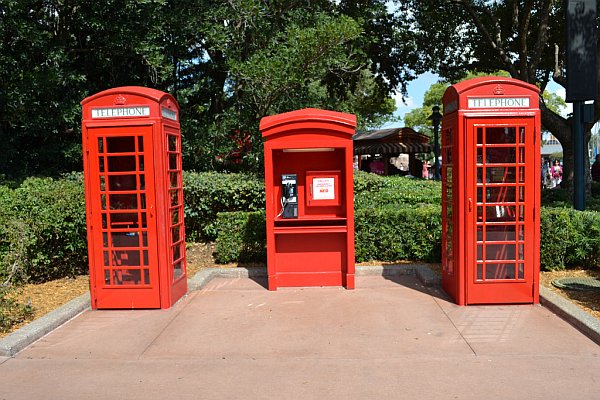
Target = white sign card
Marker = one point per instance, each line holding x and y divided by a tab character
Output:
118	112
498	102
323	189
170	114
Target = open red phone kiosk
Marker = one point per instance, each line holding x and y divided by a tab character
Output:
491	191
134	198
310	199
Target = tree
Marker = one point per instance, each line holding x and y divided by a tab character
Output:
457	36
228	63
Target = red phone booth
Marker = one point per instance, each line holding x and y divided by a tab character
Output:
491	191
134	198
309	191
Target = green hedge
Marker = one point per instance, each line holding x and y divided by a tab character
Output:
406	233
43	230
208	193
242	237
569	238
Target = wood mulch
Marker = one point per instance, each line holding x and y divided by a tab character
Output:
48	296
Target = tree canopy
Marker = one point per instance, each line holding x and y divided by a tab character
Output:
228	63
526	38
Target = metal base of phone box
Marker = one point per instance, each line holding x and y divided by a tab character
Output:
310	231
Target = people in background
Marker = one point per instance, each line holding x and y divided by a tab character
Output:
546	177
556	173
377	166
596	169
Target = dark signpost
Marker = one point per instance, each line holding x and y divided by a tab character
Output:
581	83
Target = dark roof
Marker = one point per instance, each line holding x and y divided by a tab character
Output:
391	148
391	141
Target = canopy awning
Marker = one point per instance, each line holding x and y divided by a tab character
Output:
391	148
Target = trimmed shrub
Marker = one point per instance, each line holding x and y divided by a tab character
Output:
386	234
398	233
43	230
372	190
242	237
569	238
208	193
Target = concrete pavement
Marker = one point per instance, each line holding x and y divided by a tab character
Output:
392	337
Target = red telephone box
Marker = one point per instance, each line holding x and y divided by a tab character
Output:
310	198
134	198
491	191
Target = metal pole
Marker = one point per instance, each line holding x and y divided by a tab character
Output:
579	167
436	118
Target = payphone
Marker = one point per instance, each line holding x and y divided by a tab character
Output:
289	196
309	192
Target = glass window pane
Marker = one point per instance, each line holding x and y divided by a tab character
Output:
125	239
174	198
479	252
121	164
127	277
177	269
176	252
101	164
500	213
480	195
499	175
479	272
123	144
173	179
145	239
500	155
126	257
142	181
173	161
522	134
140	143
522	155
175	217
104	221
521	271
123	220
172	143
107	277
123	201
499	135
499	271
480	233
122	182
500	233
504	194
479	135
100	145
146	260
175	231
479	155
103	201
102	183
141	162
499	252
106	259
147	276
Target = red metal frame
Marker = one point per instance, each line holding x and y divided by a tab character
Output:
134	198
317	248
491	191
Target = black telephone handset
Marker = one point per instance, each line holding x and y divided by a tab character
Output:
289	196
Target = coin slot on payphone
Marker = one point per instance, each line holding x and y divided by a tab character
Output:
289	196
